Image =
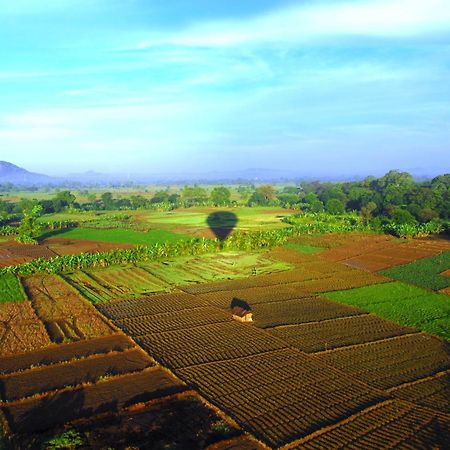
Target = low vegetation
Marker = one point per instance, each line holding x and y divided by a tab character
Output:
401	303
11	289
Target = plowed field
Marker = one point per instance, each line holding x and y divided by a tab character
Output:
20	329
391	362
49	378
65	352
215	342
329	334
43	412
279	396
392	424
432	392
65	314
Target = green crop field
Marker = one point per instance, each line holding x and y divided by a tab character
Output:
424	272
304	248
401	303
104	285
121	236
11	289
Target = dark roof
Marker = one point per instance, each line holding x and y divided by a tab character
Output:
239	311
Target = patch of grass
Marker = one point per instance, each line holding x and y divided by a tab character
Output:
304	248
11	289
121	236
401	303
424	272
70	439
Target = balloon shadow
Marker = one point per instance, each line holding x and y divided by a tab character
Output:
222	223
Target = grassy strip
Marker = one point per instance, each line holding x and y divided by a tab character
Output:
424	272
121	236
11	290
303	248
401	303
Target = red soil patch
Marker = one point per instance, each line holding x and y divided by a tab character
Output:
446	273
379	255
65	352
62	246
12	253
42	379
44	412
65	314
20	329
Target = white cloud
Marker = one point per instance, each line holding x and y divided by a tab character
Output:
395	18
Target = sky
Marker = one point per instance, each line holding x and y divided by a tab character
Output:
315	87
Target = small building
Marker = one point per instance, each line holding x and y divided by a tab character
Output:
241	314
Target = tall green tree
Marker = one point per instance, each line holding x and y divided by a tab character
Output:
29	228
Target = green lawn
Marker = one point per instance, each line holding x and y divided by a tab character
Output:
11	289
121	236
401	303
424	272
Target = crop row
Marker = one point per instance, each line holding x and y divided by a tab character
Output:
391	362
329	334
171	321
155	304
44	412
20	329
283	395
214	342
433	392
48	378
391	424
424	272
296	311
66	315
64	352
402	303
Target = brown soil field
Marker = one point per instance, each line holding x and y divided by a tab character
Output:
446	273
382	255
64	352
262	294
238	443
329	334
20	329
87	370
64	246
155	304
47	411
14	249
297	311
280	396
172	321
391	362
215	342
392	424
178	421
65	314
290	256
432	392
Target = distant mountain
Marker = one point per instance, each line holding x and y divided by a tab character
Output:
10	173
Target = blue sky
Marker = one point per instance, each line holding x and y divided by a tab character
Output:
335	87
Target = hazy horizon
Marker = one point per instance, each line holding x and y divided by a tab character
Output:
337	88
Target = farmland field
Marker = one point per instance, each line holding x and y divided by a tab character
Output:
318	358
11	289
428	272
120	236
402	303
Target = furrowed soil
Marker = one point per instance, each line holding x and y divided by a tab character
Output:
44	412
65	352
20	329
86	370
64	246
67	317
